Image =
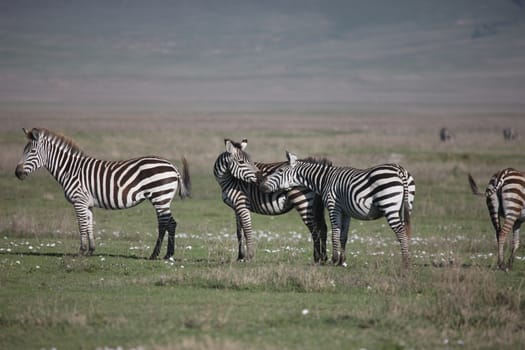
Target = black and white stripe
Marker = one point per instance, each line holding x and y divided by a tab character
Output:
505	195
385	190
241	192
89	182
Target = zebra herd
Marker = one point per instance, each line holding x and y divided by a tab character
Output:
309	185
447	136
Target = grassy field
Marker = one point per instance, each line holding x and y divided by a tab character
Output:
453	298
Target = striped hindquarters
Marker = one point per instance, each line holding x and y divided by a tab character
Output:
384	190
506	195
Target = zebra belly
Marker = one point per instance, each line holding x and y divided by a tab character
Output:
364	210
372	213
259	203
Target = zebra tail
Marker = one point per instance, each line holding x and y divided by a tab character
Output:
404	211
474	186
185	184
406	218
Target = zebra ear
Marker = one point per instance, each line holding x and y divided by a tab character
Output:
244	143
230	148
292	158
31	135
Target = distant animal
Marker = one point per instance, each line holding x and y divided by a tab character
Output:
510	134
238	178
89	182
385	190
505	196
445	135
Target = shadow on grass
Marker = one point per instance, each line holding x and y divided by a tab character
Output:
71	255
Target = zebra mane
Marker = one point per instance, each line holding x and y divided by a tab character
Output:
321	161
57	138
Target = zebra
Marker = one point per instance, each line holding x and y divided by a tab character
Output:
383	190
238	178
505	195
89	182
445	135
510	134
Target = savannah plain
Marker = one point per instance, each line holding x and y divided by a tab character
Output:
453	298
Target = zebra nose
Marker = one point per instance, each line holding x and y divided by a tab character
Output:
19	172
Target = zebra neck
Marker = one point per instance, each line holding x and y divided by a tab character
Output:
313	176
63	163
221	170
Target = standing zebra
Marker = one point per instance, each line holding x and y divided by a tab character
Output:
509	134
505	195
89	182
384	190
238	176
445	135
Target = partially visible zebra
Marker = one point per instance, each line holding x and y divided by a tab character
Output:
89	182
237	177
384	190
445	135
510	134
505	195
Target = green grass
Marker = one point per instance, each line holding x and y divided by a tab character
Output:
453	298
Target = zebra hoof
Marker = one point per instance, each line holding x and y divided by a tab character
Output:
84	252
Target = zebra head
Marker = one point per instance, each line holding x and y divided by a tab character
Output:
34	155
239	162
283	178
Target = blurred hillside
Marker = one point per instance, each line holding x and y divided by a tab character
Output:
407	55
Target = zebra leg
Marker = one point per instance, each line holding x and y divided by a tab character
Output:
244	230
345	225
335	220
399	228
172	226
85	227
317	225
515	243
323	232
501	237
316	232
240	239
91	235
163	221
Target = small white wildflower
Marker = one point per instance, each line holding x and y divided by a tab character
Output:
18	262
181	266
37	267
30	247
305	312
171	259
345	264
189	247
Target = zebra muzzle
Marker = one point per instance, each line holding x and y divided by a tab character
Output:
20	173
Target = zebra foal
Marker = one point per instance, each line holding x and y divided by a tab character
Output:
238	178
89	182
505	196
385	190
